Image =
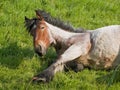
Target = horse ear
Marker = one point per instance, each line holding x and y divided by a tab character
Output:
38	15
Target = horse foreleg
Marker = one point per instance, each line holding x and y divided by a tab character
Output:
73	52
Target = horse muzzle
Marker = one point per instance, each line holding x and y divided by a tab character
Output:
41	51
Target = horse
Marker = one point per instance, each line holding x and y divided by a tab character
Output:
97	49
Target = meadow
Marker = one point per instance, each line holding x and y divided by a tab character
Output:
19	63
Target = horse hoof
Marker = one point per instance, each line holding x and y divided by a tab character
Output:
39	80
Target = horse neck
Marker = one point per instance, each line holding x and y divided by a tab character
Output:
59	34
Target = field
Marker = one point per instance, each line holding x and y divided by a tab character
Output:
19	63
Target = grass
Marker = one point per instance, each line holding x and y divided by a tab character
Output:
19	63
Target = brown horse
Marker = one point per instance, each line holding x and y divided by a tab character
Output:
97	49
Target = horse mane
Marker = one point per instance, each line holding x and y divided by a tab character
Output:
31	23
57	22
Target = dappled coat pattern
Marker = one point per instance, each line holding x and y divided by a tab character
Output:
105	50
96	49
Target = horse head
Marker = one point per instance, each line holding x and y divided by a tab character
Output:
40	32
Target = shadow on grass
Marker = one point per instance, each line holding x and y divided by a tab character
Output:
110	78
12	55
48	59
113	76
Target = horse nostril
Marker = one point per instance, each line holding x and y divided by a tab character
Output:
38	50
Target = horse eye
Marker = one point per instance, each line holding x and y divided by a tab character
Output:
42	27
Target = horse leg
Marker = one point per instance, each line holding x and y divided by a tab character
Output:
73	52
74	66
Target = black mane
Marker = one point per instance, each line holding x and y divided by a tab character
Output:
31	23
57	22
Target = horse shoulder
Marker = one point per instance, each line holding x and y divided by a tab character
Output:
81	38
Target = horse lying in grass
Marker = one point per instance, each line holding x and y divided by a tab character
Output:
96	49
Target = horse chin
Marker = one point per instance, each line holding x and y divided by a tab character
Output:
40	54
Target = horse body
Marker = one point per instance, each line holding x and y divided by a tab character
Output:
105	48
97	49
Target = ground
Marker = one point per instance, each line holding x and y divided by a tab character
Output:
19	63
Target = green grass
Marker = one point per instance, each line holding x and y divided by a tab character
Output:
19	63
